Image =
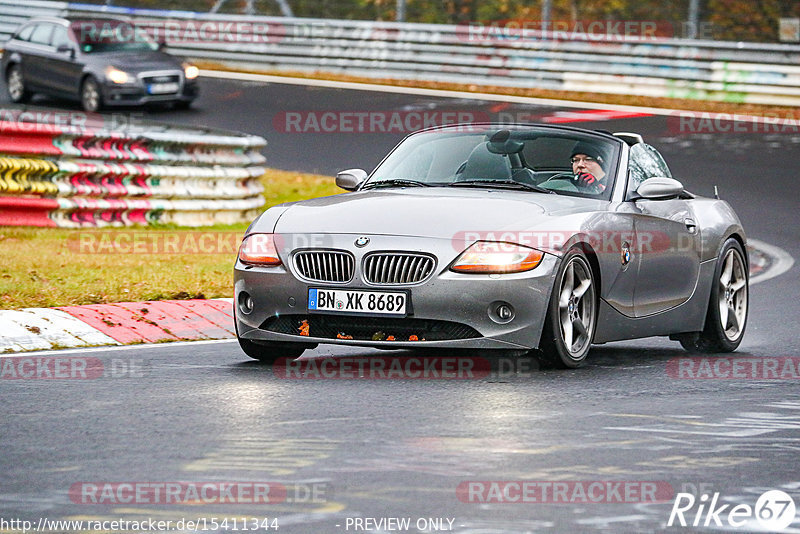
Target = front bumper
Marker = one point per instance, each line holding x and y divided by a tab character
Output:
137	93
455	308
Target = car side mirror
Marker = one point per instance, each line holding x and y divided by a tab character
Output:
66	49
659	187
350	179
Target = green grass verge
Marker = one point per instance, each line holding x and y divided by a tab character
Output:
45	267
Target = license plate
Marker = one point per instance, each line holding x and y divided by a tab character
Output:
365	302
161	88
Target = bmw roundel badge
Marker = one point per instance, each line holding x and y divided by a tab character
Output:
625	255
362	241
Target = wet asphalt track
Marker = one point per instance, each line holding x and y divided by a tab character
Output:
400	448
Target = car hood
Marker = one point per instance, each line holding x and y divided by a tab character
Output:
434	212
140	62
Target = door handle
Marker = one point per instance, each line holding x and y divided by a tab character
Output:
690	225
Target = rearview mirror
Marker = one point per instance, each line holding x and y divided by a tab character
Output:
350	179
501	143
659	187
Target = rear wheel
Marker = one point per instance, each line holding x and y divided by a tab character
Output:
726	317
91	97
572	313
270	352
15	84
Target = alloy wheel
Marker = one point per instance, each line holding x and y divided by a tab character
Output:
733	295
16	85
576	305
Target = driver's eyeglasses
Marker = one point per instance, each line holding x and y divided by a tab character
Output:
587	159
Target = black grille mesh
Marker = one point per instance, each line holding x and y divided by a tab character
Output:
325	265
370	328
397	268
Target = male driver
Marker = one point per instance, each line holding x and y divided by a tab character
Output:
587	166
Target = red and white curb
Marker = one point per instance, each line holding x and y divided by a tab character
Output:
122	323
595	115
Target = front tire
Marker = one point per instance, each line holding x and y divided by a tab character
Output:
15	85
270	352
728	305
91	96
572	313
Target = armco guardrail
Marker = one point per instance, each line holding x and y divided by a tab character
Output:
13	13
75	170
621	64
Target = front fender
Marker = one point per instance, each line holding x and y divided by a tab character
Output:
267	221
717	222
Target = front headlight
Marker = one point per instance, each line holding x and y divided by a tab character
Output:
491	257
190	71
116	75
259	249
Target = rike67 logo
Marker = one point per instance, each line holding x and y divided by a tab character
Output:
774	511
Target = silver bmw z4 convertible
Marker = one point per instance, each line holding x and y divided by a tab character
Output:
500	239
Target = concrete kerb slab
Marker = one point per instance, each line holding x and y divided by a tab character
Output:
114	324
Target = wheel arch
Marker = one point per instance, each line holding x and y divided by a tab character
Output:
86	75
13	61
740	239
82	78
594	263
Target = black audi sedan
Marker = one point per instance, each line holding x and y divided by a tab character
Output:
101	62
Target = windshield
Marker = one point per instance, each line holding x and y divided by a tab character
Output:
544	158
99	36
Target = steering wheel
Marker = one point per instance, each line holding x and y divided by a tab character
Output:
560	176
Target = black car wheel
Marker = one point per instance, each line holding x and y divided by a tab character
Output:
270	352
726	317
15	84
91	97
572	313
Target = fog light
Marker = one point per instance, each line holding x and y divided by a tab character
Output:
501	312
245	302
